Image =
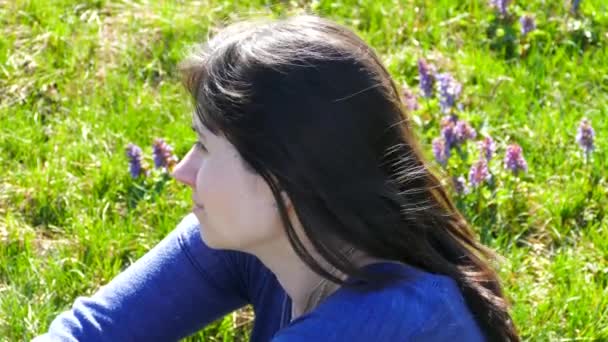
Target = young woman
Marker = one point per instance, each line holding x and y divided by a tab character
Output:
312	201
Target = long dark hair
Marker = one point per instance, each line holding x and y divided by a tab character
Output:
311	109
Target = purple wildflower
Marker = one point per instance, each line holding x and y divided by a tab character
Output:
460	185
409	98
487	147
426	78
163	154
527	23
514	159
479	172
500	5
441	151
585	136
463	131
447	131
449	90
135	166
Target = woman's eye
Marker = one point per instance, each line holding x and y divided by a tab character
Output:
199	146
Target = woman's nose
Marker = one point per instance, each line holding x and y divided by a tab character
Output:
185	171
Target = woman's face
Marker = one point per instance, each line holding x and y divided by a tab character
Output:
235	207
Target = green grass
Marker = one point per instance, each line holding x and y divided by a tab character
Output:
79	80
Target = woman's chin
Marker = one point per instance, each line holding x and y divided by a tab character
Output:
205	237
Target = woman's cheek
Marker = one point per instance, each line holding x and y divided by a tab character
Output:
204	186
214	188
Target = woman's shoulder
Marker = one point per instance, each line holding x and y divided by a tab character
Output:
422	306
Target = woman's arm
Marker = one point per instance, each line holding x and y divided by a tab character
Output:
176	289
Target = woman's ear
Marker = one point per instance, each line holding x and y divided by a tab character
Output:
284	196
286	200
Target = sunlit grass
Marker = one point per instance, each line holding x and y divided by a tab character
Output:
80	80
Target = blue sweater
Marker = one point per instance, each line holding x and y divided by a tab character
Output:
181	285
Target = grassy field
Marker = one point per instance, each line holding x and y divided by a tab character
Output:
79	80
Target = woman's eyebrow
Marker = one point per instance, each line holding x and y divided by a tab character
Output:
197	132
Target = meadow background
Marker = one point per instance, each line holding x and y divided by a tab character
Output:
79	80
